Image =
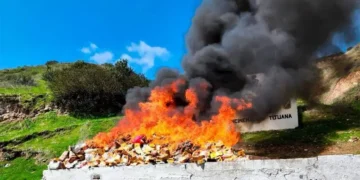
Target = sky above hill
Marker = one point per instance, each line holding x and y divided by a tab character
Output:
150	34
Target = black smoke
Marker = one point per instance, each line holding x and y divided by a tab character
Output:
229	40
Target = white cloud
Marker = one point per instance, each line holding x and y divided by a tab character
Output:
146	54
93	46
85	50
102	57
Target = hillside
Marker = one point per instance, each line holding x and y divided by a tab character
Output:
341	76
26	146
79	88
26	81
24	93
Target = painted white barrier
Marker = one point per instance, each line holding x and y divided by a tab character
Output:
341	167
286	118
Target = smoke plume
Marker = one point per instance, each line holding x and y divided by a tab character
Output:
230	40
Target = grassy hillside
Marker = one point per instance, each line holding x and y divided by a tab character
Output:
9	87
31	143
79	88
12	83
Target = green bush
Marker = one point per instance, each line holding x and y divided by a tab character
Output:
126	76
48	75
51	62
89	89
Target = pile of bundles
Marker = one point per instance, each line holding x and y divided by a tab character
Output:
141	151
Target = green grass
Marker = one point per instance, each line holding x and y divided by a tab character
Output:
21	169
333	124
48	145
79	131
320	132
46	122
27	93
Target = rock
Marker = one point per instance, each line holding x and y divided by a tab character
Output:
6	116
12	108
7	165
70	165
21	116
64	155
47	108
31	115
2	111
354	139
54	165
72	156
8	107
78	147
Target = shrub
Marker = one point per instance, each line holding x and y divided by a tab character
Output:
89	89
127	77
51	62
48	75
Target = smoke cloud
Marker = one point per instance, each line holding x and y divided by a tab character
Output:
230	40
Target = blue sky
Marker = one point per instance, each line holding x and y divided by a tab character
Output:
148	33
33	32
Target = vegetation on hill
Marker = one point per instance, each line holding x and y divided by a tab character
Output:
84	88
80	88
27	83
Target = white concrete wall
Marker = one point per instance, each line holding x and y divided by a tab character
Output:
342	167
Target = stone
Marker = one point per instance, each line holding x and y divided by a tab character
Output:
54	165
64	155
6	116
47	108
2	111
354	139
78	147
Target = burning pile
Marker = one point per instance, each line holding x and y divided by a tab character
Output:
158	132
141	151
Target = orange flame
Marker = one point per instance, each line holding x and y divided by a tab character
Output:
159	116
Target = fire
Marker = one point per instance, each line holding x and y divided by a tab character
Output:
161	120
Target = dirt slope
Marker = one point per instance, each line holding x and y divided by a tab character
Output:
340	74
